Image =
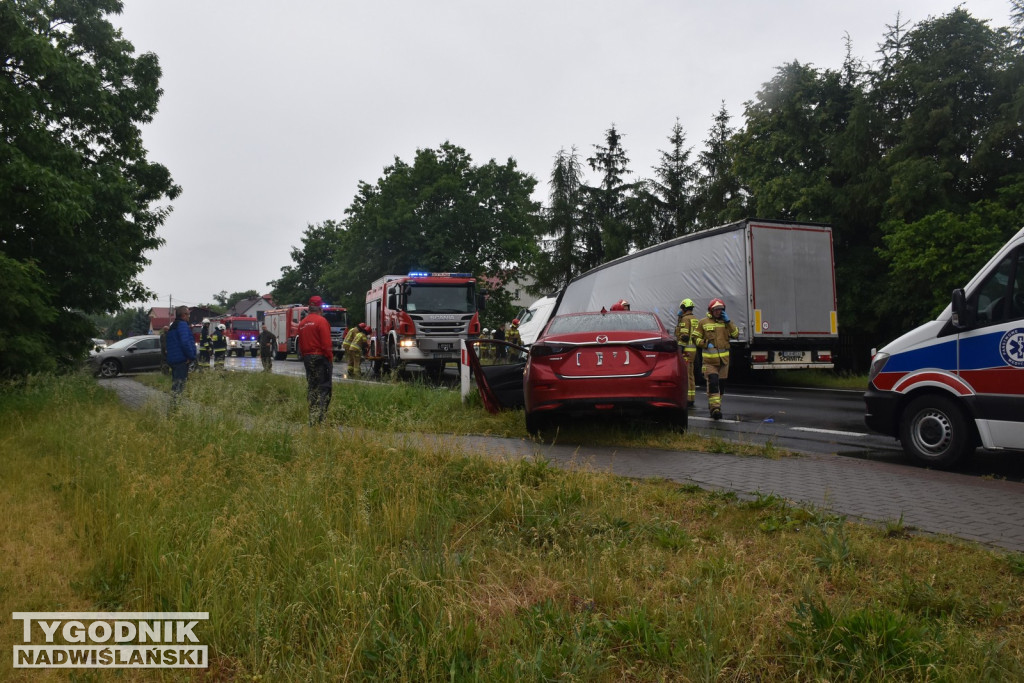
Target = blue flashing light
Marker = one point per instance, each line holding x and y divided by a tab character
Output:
418	273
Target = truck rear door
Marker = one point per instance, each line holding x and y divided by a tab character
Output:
792	281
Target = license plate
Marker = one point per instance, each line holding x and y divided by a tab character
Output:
444	347
791	355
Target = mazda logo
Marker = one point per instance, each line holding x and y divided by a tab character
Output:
602	339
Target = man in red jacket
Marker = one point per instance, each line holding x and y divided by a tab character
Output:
317	357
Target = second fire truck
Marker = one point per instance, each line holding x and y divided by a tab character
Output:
421	317
284	324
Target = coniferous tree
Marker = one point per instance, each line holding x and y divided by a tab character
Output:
719	195
559	260
606	202
673	189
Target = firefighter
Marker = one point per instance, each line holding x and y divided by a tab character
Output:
268	347
204	343
513	336
620	305
686	329
219	345
354	352
346	344
713	335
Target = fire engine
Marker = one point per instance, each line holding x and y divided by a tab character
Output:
283	323
243	333
420	318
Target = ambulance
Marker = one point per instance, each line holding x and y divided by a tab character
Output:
957	382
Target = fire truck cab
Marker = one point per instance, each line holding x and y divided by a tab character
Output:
243	334
421	317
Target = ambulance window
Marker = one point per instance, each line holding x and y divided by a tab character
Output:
1017	297
993	304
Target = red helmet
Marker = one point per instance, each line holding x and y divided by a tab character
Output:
716	303
515	321
364	327
620	305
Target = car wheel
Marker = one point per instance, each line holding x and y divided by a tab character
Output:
535	423
253	352
678	419
110	368
934	432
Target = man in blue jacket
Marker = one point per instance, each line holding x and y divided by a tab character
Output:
181	352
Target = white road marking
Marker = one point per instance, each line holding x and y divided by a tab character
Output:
827	431
760	398
708	419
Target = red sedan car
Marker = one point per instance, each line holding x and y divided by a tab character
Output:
622	362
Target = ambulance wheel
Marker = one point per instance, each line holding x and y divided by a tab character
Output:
934	432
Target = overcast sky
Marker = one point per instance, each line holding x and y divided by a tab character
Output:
273	112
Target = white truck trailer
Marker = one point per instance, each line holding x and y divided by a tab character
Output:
777	279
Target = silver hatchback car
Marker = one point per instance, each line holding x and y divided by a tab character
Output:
133	354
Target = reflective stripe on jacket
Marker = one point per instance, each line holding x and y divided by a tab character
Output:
717	332
686	331
346	343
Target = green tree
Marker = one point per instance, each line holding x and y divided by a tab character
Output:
607	201
951	90
78	196
719	196
672	190
24	345
559	262
441	213
305	276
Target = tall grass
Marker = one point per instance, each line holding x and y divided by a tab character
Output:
320	557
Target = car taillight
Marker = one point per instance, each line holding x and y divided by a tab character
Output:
759	356
662	345
542	350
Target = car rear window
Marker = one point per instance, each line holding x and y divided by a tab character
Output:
609	322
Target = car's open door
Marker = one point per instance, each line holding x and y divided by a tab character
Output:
498	367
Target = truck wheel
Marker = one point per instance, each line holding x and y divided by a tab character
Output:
934	431
393	360
278	355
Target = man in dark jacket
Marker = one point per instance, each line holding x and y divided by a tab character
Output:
181	352
268	347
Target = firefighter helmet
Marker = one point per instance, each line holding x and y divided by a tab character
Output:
716	303
515	321
364	327
686	303
222	327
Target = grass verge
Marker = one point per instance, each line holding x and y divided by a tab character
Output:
415	406
324	558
